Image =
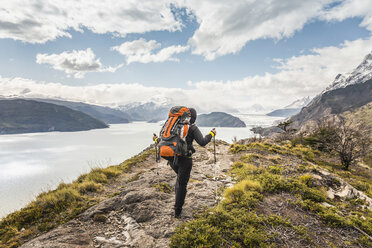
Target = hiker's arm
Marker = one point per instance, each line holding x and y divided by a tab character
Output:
198	136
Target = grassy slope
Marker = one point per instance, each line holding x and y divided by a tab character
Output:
53	208
286	175
362	114
265	174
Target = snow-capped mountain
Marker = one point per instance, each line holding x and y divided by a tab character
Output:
147	111
152	104
347	92
291	109
300	103
360	75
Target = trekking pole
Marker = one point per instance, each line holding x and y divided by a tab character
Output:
215	160
157	159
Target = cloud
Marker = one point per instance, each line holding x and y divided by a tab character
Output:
42	21
226	26
77	63
351	9
299	76
143	51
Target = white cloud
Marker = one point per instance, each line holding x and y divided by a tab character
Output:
351	9
304	75
41	21
144	51
226	26
77	63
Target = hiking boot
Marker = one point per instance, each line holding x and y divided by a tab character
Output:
177	213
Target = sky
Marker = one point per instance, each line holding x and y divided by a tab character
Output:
214	55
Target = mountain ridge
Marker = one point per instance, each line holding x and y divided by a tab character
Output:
219	119
25	116
291	109
346	93
362	73
106	114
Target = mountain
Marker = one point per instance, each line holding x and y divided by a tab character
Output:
26	116
219	119
106	114
300	103
361	74
347	93
291	109
148	111
284	112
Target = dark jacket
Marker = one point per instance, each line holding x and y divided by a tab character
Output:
195	134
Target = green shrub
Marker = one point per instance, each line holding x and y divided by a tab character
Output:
197	233
307	179
59	200
272	183
163	187
250	157
111	172
89	187
274	169
97	176
313	195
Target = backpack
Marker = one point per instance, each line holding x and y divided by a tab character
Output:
173	134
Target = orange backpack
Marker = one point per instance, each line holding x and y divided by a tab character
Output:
173	134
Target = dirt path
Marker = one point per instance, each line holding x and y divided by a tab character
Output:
141	215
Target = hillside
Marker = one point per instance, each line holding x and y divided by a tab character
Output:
335	102
105	114
219	119
291	109
26	116
284	112
271	195
362	114
347	93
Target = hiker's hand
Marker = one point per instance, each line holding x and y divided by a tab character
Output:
213	132
154	137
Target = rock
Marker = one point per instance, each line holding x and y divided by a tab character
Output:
112	241
326	204
103	207
62	237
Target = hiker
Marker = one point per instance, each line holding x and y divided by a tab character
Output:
183	164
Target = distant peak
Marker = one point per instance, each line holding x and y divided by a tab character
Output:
361	74
299	103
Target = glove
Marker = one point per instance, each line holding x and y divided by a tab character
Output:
213	132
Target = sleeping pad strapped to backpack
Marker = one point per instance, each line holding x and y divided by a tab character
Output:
173	134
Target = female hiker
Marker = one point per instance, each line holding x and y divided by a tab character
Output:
183	164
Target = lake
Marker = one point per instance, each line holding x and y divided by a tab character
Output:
36	162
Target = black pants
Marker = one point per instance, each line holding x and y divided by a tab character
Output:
183	169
